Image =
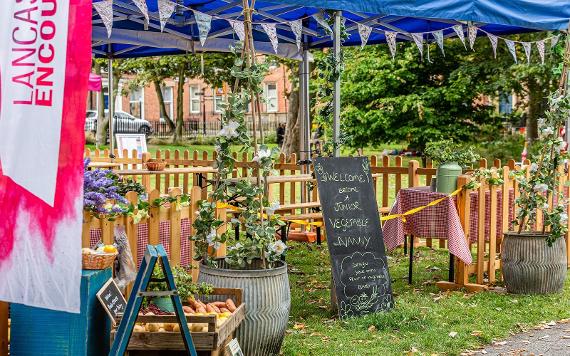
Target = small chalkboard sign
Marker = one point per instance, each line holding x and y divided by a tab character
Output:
233	348
354	235
112	300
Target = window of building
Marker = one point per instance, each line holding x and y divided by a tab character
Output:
195	99
506	103
167	95
136	102
271	97
218	100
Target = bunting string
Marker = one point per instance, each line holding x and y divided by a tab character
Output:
166	9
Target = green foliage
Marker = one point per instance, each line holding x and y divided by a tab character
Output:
503	148
405	99
540	187
445	151
185	286
250	204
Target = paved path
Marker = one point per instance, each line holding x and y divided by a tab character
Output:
548	339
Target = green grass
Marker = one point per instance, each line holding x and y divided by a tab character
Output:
423	316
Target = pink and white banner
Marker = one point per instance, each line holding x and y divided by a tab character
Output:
45	60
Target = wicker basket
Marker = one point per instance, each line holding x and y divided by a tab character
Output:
98	260
155	164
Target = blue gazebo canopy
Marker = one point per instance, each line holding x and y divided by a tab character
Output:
131	37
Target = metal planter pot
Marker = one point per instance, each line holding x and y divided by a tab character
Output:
530	266
267	301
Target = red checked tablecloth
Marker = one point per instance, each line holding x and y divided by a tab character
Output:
474	213
440	221
185	258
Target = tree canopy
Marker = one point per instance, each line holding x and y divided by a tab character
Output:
407	99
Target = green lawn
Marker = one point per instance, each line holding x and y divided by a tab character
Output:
423	317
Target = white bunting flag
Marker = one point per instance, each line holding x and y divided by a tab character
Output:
271	31
527	49
419	41
459	31
494	40
554	41
105	11
238	29
364	32
141	4
165	10
321	21
472	33
391	40
297	29
204	22
438	35
540	46
512	49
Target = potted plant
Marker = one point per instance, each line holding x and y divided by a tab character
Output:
451	158
534	262
185	287
254	264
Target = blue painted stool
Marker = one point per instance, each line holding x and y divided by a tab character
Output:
37	331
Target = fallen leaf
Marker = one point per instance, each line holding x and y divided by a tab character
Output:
544	337
552	323
566	336
500	343
372	328
483	351
299	326
476	333
453	334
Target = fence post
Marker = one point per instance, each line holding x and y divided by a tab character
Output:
146	178
175	227
464	208
86	231
413	178
3	329
154	221
195	196
492	232
480	267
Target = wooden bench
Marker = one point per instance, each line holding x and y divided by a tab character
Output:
291	219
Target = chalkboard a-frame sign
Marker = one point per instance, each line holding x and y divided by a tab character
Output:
112	300
354	236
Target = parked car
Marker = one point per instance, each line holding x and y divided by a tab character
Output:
123	123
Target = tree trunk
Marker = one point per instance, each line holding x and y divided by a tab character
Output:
536	108
102	120
292	141
178	137
162	106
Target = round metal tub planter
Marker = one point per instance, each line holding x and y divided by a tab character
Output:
530	266
267	301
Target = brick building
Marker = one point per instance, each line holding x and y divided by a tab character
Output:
201	102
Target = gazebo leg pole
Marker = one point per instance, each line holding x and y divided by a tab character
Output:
305	127
336	95
111	108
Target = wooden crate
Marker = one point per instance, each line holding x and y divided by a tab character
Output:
214	340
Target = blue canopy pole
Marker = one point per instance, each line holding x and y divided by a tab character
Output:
304	117
304	104
336	95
